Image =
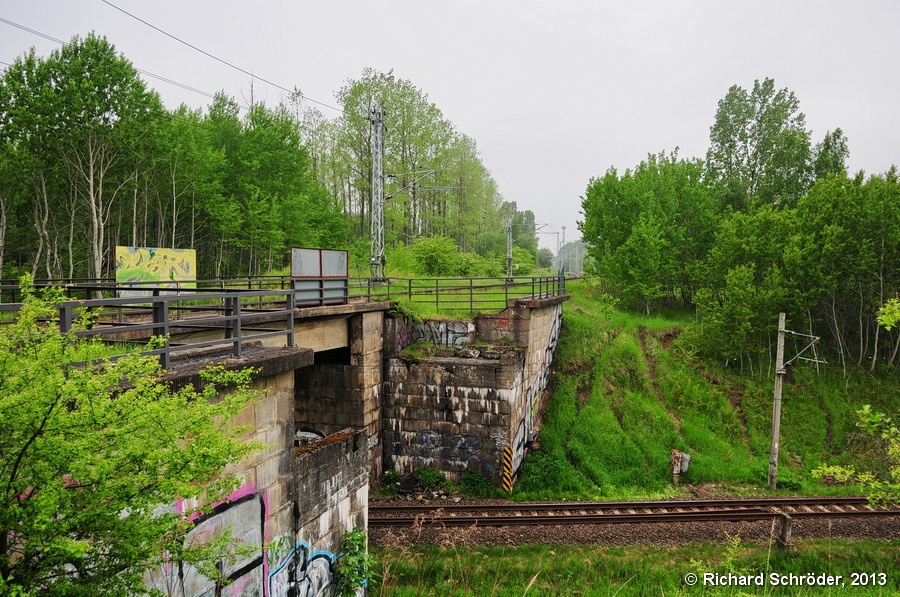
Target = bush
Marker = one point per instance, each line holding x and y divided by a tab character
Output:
431	478
523	262
436	256
477	485
353	563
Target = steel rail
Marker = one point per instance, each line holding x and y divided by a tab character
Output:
537	506
565	513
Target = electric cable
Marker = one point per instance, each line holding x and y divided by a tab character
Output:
225	62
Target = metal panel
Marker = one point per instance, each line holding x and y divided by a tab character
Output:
319	276
334	290
305	263
334	264
307	291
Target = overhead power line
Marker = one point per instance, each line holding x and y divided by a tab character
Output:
214	57
140	70
171	115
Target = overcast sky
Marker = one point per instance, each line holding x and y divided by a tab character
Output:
554	93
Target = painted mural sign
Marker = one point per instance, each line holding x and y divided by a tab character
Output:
171	268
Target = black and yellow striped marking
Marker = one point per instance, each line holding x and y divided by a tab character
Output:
507	469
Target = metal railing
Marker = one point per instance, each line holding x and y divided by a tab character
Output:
104	317
11	291
458	294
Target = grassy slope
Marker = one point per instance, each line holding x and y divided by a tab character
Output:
628	392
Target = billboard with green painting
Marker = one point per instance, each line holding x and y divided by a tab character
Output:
171	268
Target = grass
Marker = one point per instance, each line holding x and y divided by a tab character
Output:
628	390
548	570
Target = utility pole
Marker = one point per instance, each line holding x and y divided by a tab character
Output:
561	245
377	260
776	410
509	257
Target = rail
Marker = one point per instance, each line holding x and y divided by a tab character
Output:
224	312
458	294
506	514
442	294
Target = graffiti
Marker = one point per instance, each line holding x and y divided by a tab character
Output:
244	515
404	335
302	573
498	438
169	267
298	572
536	385
452	334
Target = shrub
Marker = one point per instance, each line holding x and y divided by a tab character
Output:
436	256
430	477
477	485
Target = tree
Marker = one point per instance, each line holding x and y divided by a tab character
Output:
759	146
91	457
648	229
545	257
85	106
831	155
436	256
889	315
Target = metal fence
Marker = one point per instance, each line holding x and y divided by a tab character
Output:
118	319
442	294
237	313
458	294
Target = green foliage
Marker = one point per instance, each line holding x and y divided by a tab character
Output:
437	256
884	490
90	458
630	388
759	144
889	314
353	563
766	225
420	349
545	258
477	485
430	478
523	262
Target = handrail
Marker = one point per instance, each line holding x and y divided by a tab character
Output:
161	323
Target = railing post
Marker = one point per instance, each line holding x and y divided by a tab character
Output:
161	317
65	318
437	294
290	319
471	294
237	325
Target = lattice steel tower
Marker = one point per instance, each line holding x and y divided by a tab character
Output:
377	261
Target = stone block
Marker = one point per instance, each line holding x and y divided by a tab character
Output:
267	472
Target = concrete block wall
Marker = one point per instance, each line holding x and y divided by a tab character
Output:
261	512
330	396
469	414
332	487
453	414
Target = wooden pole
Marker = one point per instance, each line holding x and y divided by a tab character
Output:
776	409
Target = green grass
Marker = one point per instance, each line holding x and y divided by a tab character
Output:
547	570
629	389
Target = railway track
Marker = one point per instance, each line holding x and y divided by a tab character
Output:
566	513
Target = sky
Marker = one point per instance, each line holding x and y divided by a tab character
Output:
553	93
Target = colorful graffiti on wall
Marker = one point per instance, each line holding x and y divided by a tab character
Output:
170	267
278	567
